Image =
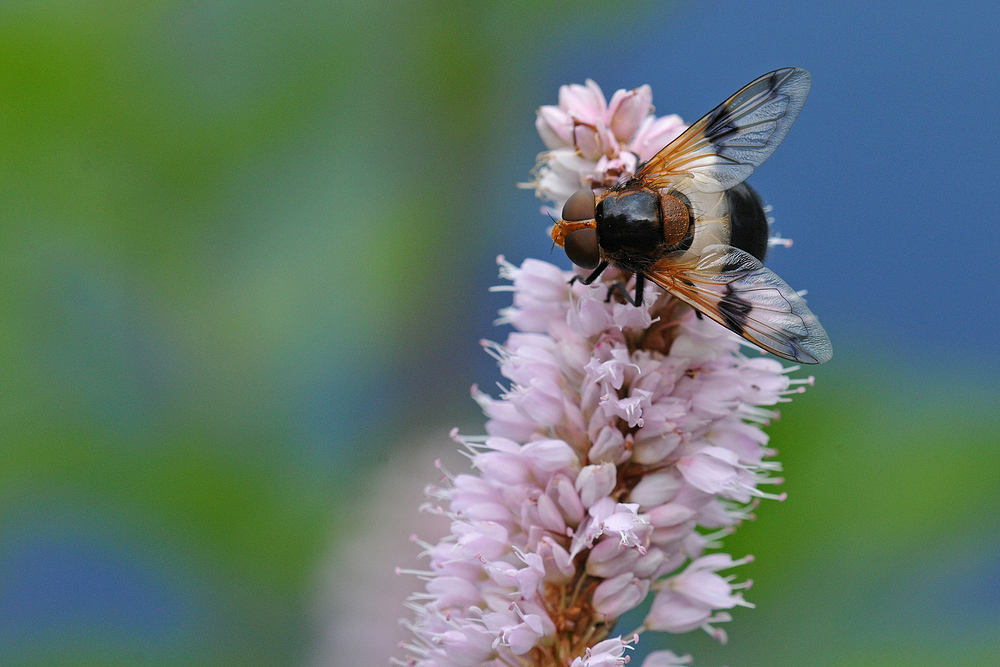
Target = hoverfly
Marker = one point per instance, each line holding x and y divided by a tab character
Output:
687	222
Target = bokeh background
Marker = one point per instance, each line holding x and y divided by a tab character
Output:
245	249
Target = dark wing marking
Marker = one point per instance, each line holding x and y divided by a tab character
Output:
727	144
734	289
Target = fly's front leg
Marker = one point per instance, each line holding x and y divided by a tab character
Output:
619	287
593	276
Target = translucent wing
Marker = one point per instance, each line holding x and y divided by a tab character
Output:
728	143
734	289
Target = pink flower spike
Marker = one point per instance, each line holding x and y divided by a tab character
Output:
623	444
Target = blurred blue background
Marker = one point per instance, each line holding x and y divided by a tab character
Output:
245	249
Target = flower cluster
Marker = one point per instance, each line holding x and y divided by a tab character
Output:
627	444
593	143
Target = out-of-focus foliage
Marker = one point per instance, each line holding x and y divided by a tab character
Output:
225	232
245	245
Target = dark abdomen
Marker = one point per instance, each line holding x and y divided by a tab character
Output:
747	220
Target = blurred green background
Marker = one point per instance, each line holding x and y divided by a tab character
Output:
245	248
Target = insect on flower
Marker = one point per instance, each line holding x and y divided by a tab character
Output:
687	222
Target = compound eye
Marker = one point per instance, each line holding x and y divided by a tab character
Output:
580	206
582	249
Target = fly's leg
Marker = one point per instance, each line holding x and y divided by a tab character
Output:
617	286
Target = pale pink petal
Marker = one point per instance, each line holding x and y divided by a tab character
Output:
550	455
670	514
615	596
708	471
584	103
549	515
610	446
610	558
595	482
588	140
555	127
569	500
673	612
453	592
654	134
655	489
502	467
666	659
627	109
